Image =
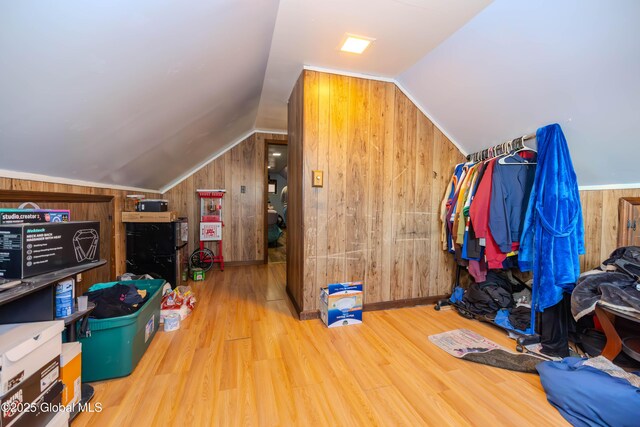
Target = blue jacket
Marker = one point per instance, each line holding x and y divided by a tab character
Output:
588	397
553	233
510	191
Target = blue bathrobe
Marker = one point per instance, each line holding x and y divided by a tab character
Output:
553	232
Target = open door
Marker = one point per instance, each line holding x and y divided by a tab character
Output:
277	200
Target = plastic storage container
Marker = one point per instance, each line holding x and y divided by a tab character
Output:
116	345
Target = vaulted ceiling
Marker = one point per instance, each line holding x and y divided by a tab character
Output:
138	93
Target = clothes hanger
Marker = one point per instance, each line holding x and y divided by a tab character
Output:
502	161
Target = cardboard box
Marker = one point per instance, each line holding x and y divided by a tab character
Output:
60	419
149	216
20	216
25	348
30	249
22	399
198	274
42	411
341	304
70	373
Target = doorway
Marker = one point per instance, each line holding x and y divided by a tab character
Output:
277	200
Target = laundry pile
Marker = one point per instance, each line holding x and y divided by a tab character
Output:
613	284
592	392
120	299
502	297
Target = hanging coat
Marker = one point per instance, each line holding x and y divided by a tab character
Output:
553	232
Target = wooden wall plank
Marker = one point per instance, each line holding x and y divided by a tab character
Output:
295	230
357	174
324	164
377	193
398	196
387	208
411	288
335	182
424	214
248	198
310	194
600	215
260	174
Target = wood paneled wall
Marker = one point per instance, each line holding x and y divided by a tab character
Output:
600	214
386	167
295	227
243	235
112	232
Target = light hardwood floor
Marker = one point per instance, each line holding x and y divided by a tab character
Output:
278	252
243	358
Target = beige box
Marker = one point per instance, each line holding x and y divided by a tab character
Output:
149	216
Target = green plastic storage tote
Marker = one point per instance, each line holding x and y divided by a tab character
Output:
116	345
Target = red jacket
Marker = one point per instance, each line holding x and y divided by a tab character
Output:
479	214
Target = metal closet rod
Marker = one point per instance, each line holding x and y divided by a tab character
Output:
500	149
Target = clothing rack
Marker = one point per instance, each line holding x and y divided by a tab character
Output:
500	149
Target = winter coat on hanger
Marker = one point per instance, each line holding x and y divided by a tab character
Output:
510	192
553	232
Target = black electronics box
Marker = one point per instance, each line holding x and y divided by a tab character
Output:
153	205
31	249
24	397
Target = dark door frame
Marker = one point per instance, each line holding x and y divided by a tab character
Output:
266	189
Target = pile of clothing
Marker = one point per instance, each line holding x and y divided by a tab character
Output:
592	392
616	284
120	299
502	298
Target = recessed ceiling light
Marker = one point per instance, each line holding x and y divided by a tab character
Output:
355	44
277	154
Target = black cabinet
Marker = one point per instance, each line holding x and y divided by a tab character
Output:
157	248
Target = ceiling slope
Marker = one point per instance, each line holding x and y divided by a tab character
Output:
522	64
128	92
310	33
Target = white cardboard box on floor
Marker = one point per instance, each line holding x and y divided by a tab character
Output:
341	304
25	348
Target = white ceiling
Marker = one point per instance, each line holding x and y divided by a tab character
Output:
128	92
523	64
138	93
310	33
278	161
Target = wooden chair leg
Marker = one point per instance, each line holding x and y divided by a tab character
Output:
614	343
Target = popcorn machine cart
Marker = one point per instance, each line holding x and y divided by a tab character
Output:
210	229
